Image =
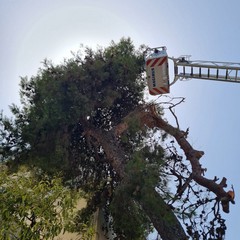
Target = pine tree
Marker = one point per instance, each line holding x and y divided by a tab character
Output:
88	119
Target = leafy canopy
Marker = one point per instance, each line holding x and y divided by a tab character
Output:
78	118
62	104
33	209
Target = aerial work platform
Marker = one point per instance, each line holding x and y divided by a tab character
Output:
156	60
157	71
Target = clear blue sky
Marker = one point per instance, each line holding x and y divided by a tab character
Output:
207	29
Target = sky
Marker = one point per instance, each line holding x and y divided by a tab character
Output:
207	30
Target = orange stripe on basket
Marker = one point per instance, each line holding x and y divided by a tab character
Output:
152	92
158	90
154	62
166	90
148	61
162	61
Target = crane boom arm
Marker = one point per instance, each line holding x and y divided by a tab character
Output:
207	70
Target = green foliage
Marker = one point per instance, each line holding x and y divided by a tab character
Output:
83	223
142	176
93	89
134	224
61	105
31	209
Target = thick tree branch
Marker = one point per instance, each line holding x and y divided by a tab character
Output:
149	117
115	155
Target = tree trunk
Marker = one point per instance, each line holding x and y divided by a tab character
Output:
162	216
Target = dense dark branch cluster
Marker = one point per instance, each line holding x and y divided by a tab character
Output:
195	194
198	208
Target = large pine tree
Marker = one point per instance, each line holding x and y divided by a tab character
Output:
88	119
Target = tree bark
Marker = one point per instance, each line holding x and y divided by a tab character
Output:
149	117
163	218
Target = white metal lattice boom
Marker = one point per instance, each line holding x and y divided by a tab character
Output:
208	70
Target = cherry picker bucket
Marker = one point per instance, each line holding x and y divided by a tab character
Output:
156	61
